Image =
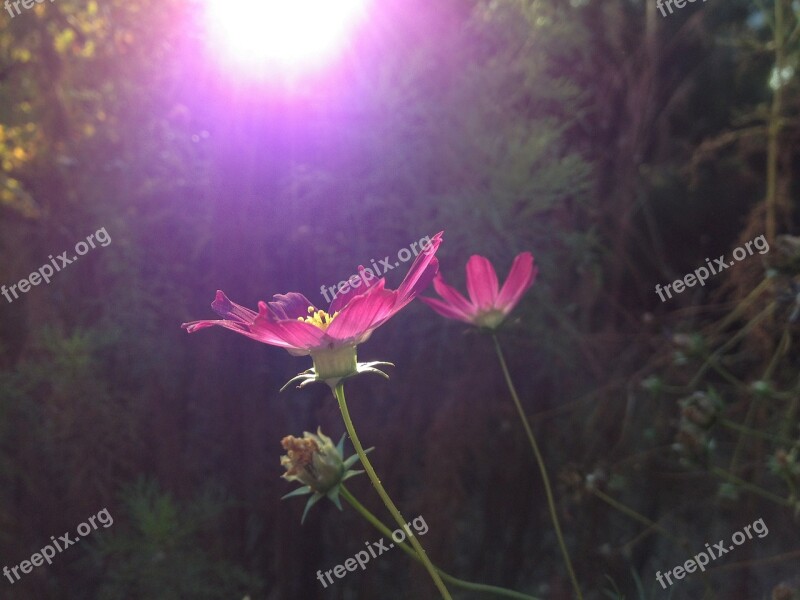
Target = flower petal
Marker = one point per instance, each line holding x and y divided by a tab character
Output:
193	326
452	296
290	306
446	310
422	283
363	314
420	274
289	334
260	326
520	278
481	282
263	336
366	283
230	310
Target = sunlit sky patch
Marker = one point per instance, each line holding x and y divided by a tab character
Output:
284	37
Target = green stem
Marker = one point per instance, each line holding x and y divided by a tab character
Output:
755	433
635	515
542	469
742	306
740	334
467	585
751	411
788	421
725	374
338	391
751	487
626	510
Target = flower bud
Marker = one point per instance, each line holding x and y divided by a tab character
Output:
312	460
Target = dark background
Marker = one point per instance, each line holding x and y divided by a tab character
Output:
622	148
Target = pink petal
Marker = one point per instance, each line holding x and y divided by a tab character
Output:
421	272
365	283
452	296
364	313
446	310
291	333
423	281
230	310
481	282
290	306
520	278
198	325
258	335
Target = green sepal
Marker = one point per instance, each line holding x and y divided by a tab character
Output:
350	474
311	502
334	497
310	375
354	459
301	491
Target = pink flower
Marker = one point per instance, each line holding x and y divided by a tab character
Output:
292	322
488	305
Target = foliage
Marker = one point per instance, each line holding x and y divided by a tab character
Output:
620	147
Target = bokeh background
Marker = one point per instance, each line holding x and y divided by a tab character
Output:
620	146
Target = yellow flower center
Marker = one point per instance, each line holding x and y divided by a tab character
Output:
319	318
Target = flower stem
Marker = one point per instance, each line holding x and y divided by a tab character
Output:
467	585
542	469
754	432
650	524
753	488
338	391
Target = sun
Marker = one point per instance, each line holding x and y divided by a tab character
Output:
284	36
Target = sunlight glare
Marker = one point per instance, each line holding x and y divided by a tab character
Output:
283	35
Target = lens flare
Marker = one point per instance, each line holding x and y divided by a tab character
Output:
285	36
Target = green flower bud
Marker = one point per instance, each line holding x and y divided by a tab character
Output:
314	461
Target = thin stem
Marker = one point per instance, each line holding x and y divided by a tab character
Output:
542	469
467	585
742	332
754	432
751	411
626	510
338	391
791	411
751	487
634	515
774	199
725	374
743	305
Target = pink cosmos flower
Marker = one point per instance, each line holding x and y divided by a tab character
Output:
488	305
291	321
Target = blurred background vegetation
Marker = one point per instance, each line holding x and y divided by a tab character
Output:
622	148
